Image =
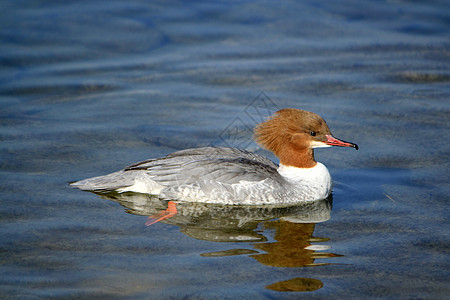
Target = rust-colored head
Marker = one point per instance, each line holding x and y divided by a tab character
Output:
291	134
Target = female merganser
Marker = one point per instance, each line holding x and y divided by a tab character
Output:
232	176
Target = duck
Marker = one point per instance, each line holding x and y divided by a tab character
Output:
232	176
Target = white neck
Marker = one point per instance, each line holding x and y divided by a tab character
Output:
316	178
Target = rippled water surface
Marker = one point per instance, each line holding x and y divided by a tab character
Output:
89	87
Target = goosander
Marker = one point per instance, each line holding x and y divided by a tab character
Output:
232	176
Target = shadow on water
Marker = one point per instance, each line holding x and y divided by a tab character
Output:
281	236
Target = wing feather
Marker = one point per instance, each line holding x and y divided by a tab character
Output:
224	165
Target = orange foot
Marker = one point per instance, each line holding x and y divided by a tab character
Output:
168	213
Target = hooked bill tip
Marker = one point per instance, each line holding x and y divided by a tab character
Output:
332	141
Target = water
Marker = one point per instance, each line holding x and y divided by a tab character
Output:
87	88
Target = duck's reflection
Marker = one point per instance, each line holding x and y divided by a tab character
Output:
280	236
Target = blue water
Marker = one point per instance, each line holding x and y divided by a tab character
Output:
89	87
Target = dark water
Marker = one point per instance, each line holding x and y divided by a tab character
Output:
89	87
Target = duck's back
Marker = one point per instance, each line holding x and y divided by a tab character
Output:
209	174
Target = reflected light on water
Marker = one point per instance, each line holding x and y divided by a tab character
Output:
281	237
296	285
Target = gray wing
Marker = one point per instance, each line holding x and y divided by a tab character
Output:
205	166
223	165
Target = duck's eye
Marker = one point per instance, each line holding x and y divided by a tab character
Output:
312	133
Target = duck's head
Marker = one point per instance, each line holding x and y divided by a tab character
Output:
292	134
